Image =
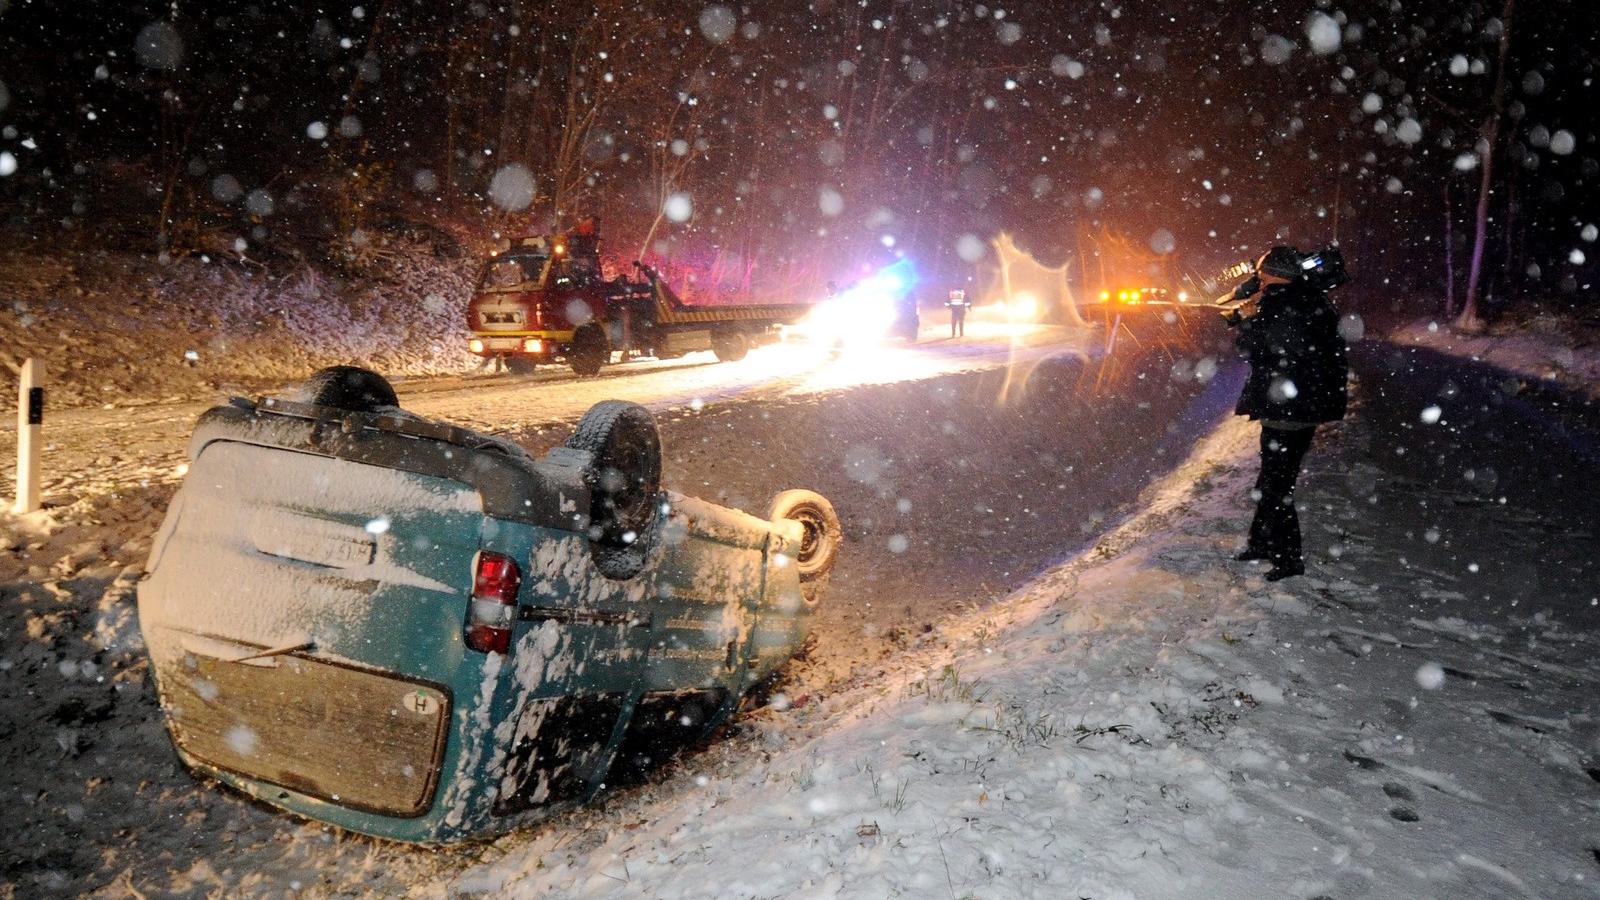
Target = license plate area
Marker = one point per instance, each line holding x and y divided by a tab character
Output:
361	739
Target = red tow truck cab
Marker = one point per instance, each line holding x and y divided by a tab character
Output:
545	300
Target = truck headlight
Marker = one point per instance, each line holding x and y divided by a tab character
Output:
474	346
532	345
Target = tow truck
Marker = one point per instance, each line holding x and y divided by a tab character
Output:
545	300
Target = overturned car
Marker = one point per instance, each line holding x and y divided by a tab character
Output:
419	632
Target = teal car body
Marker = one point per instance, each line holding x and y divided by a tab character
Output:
309	611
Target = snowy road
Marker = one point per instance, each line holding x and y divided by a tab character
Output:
97	451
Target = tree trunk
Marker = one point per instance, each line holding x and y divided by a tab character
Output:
1449	254
1508	257
1490	133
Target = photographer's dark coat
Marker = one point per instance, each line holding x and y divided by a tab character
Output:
1297	358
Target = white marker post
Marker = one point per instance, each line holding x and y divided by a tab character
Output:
30	421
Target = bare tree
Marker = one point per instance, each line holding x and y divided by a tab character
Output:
578	90
1489	138
676	141
1449	253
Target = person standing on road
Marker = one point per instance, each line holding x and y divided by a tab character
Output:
1289	333
957	301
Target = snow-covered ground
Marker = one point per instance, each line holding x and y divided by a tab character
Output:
1543	349
122	329
1152	720
1147	719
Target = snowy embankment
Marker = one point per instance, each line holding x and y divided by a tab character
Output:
121	329
1153	720
1542	350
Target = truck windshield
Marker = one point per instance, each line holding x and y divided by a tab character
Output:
576	270
506	273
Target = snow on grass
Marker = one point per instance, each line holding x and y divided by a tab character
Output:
1145	721
1543	349
120	328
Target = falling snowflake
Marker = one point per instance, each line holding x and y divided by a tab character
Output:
678	208
242	740
1276	49
1323	33
830	201
717	23
512	187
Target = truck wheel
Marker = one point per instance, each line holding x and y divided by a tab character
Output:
520	365
820	535
625	477
350	388
730	346
590	350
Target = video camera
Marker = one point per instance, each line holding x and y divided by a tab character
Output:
1320	270
1323	270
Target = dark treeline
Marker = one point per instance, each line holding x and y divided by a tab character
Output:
799	140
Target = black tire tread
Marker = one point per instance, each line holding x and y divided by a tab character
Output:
579	356
350	388
730	346
594	435
595	427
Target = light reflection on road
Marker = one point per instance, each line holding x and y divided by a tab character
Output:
92	451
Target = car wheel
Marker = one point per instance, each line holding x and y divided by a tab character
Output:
820	535
730	346
625	475
590	350
520	365
349	388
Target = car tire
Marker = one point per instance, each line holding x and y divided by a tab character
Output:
820	538
624	476
520	365
730	346
350	388
591	350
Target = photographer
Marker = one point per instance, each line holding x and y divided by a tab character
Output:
1289	332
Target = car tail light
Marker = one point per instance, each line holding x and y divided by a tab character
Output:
532	345
492	612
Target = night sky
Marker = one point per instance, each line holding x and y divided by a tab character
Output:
810	135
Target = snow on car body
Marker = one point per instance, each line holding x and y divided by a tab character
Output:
335	629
